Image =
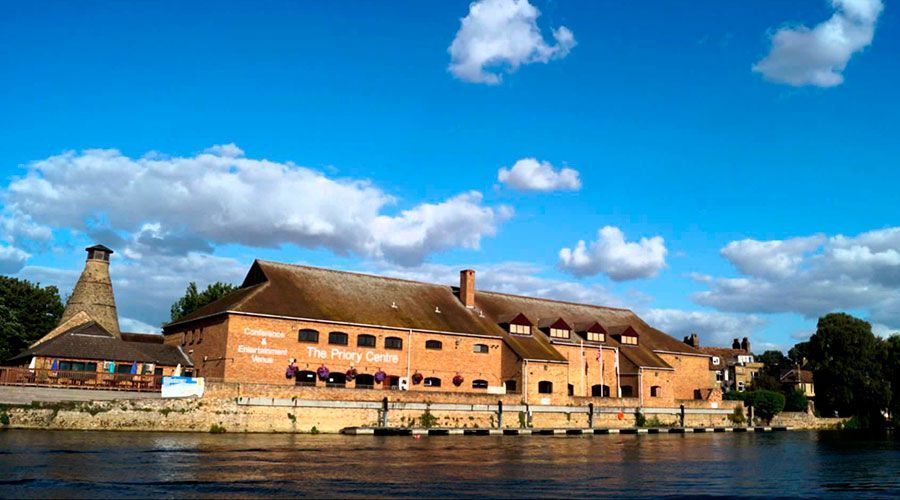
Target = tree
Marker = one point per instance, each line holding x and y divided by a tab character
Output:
892	372
775	362
765	381
848	369
766	404
27	312
799	353
796	400
194	299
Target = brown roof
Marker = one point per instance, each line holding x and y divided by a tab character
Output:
91	341
294	291
806	376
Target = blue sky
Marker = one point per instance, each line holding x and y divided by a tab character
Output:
657	107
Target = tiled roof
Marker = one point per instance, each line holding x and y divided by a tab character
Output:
323	294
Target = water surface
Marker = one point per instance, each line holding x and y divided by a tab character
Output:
108	464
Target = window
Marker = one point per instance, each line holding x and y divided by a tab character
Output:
435	345
365	341
336	380
200	336
306	377
365	381
600	391
519	329
479	384
432	382
596	336
740	385
183	338
308	336
545	387
338	338
629	340
719	376
655	391
78	366
716	360
559	333
571	389
627	391
393	343
191	341
124	368
480	348
698	394
510	386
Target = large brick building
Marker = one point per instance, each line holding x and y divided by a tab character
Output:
369	332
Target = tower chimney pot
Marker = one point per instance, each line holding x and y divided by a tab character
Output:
745	344
467	287
93	293
735	344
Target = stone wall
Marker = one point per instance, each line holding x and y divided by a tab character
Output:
802	420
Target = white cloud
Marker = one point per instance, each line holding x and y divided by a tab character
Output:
187	203
714	328
137	326
802	56
502	34
836	273
614	257
229	150
12	259
528	174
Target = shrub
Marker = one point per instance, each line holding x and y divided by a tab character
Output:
216	429
314	430
4	418
427	420
734	396
737	416
766	404
639	419
796	400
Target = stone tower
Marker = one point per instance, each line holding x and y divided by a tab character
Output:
93	294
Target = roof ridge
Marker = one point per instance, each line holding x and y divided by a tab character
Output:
558	301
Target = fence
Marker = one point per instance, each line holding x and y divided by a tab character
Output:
80	379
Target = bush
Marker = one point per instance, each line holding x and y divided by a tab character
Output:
427	420
4	418
766	404
737	416
216	429
796	400
639	419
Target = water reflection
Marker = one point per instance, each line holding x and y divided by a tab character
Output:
100	464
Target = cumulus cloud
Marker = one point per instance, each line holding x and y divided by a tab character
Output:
229	150
714	328
529	174
618	259
183	204
803	56
12	259
500	35
813	276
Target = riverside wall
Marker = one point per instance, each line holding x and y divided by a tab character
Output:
232	407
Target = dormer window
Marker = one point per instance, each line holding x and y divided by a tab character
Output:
626	335
519	329
592	331
559	333
596	337
629	340
556	328
517	324
716	360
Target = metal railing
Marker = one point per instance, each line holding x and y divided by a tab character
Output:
80	379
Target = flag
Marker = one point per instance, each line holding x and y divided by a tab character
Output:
55	365
134	368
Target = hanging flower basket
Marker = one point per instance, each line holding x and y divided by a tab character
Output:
458	380
380	376
417	378
351	374
323	373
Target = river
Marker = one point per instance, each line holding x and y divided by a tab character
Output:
109	464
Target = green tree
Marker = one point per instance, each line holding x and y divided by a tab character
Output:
766	404
799	353
795	400
848	369
775	363
194	299
892	372
27	312
765	381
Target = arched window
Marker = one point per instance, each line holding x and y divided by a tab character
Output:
306	377
571	389
655	391
393	343
600	391
365	340
365	381
336	380
545	387
627	391
480	348
479	384
432	382
307	335
393	382
435	345
510	386
338	338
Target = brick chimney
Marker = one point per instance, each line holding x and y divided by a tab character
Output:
735	344
693	340
93	293
467	287
745	344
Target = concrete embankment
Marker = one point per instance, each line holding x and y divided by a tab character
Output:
255	408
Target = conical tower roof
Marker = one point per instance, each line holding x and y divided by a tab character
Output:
93	294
